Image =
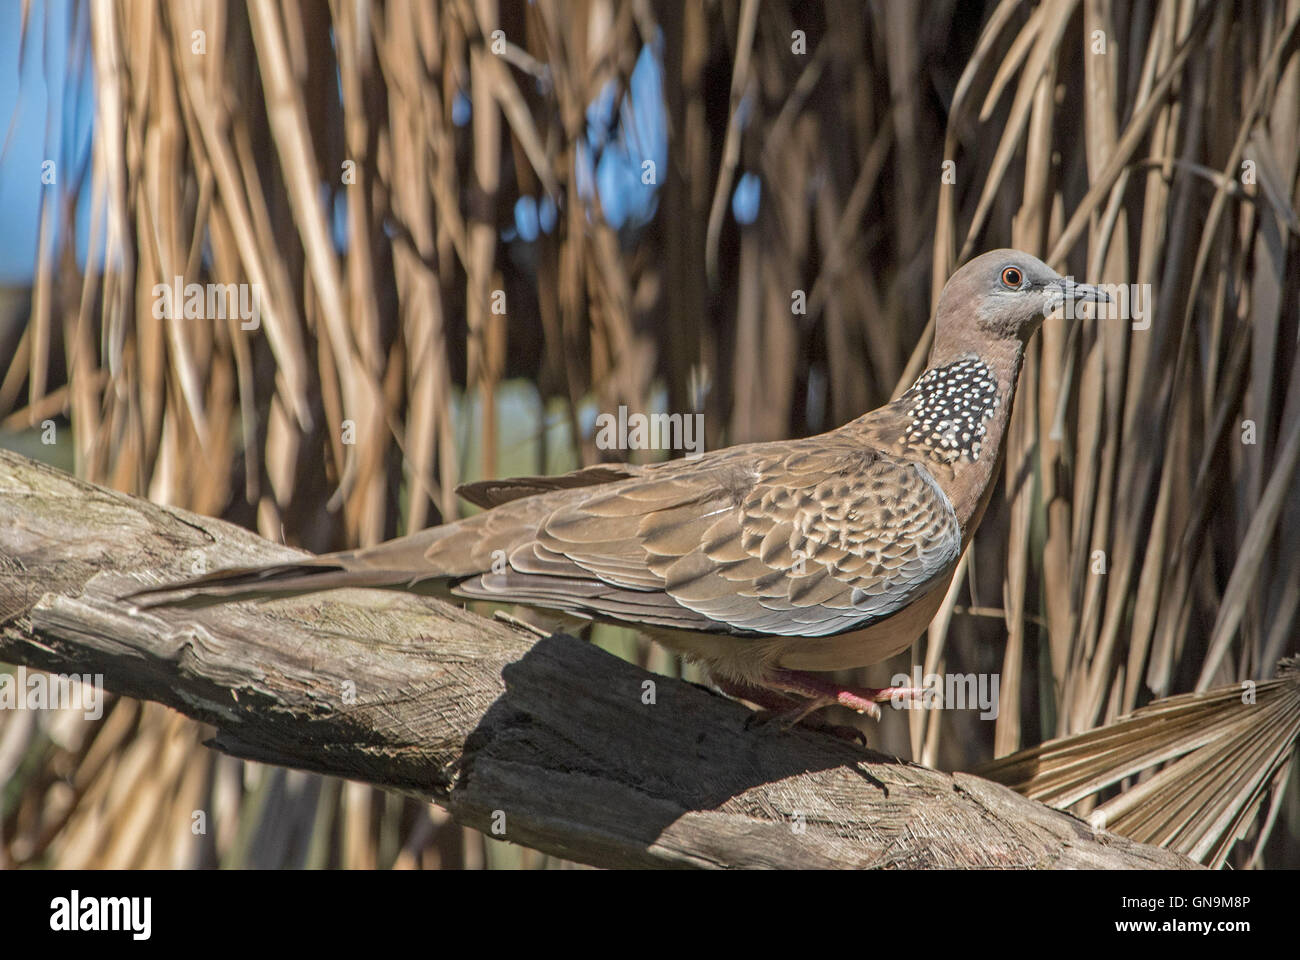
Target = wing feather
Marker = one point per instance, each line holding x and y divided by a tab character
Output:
762	540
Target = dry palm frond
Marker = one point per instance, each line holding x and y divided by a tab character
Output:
361	162
1219	755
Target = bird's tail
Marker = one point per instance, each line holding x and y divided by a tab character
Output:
397	563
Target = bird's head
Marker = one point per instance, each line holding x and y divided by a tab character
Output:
1003	295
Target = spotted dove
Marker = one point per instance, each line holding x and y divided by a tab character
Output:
761	561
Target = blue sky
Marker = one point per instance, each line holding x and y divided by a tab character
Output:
46	115
47	112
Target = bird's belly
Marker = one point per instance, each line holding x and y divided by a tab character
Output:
750	658
861	648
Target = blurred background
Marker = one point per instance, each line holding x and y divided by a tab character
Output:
476	224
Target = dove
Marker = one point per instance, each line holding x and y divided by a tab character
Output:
771	564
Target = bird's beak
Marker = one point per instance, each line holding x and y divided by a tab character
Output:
1066	289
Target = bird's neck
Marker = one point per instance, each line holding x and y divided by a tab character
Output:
954	420
973	482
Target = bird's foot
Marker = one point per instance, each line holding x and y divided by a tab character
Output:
820	692
788	711
798	715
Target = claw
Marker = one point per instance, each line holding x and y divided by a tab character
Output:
823	693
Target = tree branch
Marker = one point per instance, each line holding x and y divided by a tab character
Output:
549	738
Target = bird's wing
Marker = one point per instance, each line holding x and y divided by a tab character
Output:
492	493
808	540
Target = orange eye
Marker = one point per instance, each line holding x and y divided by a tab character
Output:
1012	277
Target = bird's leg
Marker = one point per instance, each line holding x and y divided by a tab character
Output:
823	693
764	697
788	709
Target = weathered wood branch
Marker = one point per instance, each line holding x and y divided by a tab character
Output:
416	695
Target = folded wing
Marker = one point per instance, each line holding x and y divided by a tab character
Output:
809	540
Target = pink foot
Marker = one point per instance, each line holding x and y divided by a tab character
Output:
823	693
778	707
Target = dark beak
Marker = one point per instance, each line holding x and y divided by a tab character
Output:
1067	289
1063	289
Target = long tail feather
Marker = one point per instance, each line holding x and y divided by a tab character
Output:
300	576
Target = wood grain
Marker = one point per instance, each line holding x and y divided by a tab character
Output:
550	738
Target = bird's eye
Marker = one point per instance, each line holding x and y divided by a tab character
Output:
1012	277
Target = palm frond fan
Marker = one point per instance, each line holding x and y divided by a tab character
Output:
1204	764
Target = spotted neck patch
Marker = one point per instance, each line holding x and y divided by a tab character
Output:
949	408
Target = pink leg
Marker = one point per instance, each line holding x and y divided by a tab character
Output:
822	692
789	709
764	697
